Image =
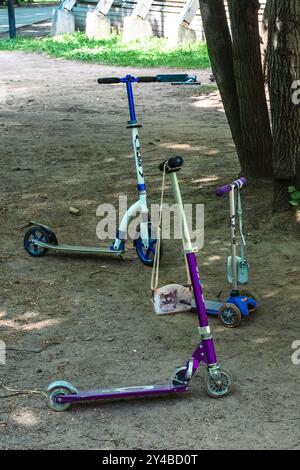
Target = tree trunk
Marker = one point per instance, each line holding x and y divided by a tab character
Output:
255	123
283	72
264	39
236	64
220	52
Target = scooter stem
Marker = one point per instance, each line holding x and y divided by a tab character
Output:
207	340
240	216
130	101
233	236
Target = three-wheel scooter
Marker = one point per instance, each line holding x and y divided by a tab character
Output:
241	302
217	381
39	238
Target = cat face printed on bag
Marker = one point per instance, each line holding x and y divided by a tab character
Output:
168	301
172	298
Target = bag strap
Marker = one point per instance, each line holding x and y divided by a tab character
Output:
155	269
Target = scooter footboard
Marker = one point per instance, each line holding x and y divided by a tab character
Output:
123	392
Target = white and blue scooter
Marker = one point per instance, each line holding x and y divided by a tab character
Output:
39	238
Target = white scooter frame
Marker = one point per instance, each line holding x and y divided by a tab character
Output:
39	238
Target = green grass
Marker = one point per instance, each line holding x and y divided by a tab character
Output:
149	53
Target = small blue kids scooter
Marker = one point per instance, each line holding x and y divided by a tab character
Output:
241	302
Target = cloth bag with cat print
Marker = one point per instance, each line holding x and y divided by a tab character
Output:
172	298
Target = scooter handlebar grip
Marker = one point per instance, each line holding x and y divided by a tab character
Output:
240	182
178	77
108	80
173	164
147	79
219	192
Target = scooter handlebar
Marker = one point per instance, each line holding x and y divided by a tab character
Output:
219	192
173	164
173	78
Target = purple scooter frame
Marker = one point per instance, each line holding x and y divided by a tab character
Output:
217	381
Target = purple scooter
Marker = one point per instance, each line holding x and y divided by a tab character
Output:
217	381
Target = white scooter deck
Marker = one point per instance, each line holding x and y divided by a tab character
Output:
79	249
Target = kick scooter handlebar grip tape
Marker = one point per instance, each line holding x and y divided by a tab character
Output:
219	192
173	164
108	80
181	77
240	182
227	187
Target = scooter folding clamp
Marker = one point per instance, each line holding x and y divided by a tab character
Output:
193	250
190	368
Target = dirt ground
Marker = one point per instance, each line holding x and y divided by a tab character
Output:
89	320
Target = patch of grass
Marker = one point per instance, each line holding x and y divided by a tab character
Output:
150	53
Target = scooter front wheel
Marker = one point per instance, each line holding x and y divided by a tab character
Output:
146	255
40	234
217	383
229	315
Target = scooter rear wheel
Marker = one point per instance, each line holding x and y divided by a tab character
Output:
229	315
218	384
38	233
52	400
55	391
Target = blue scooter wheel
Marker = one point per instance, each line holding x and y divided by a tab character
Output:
146	255
38	233
229	315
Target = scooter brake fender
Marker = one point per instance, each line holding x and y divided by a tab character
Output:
34	222
241	302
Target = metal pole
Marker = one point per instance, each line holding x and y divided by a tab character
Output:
11	19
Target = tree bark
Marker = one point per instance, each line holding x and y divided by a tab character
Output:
255	123
283	72
220	52
236	64
264	39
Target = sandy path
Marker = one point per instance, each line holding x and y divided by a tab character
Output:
64	142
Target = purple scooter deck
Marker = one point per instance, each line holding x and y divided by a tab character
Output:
123	392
